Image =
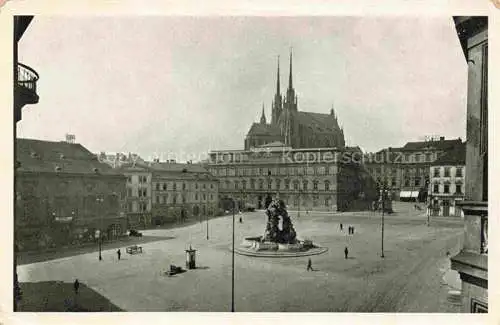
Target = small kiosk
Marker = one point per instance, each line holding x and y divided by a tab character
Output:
190	258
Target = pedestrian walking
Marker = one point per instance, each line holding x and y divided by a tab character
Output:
349	230
352	230
76	286
119	253
309	265
346	252
241	220
341	227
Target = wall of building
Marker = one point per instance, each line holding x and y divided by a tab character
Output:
176	198
57	209
139	197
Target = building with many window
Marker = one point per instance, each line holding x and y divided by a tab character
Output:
64	196
167	192
405	170
305	179
138	202
472	261
447	184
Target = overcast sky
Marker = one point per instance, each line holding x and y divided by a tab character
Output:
161	85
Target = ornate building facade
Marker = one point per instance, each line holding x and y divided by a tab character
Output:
405	170
292	127
305	179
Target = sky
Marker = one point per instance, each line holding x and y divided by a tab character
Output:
179	87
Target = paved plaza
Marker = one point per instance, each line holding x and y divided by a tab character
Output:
412	277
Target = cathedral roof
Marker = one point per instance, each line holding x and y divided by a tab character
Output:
317	121
273	144
440	144
263	129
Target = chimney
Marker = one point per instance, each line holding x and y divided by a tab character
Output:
441	138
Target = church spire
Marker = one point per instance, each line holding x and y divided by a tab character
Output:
278	79
290	83
263	116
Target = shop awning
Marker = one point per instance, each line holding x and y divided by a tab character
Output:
414	194
405	194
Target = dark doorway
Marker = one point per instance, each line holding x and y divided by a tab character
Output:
259	199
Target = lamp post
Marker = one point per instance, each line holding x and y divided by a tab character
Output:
298	213
232	269
207	225
99	201
383	211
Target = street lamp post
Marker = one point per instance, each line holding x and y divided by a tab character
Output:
100	200
383	211
232	269
207	225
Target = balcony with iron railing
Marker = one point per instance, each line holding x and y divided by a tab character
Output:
472	260
26	86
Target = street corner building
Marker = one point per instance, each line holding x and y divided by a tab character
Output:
446	188
65	196
167	192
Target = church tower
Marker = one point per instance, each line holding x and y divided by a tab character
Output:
291	98
277	105
263	116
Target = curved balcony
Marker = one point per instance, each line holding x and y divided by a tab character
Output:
26	85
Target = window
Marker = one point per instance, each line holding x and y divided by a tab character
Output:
204	186
417	181
296	185
261	184
129	192
446	188
428	157
130	207
244	184
204	197
458	188
278	184
212	186
183	199
407	182
417	157
252	184
305	183
236	185
327	202
269	184
157	199
436	188
458	172
393	182
196	185
447	172
183	186
315	185
164	199
196	196
287	184
436	172
157	186
211	196
174	199
174	186
327	185
129	179
407	157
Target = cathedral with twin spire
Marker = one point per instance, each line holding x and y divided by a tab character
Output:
293	128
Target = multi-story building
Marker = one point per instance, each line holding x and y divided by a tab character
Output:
182	191
166	192
64	195
472	261
446	187
405	170
138	203
305	179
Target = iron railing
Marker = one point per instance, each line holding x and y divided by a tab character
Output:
27	77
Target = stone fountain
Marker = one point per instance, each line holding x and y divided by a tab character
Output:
278	241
